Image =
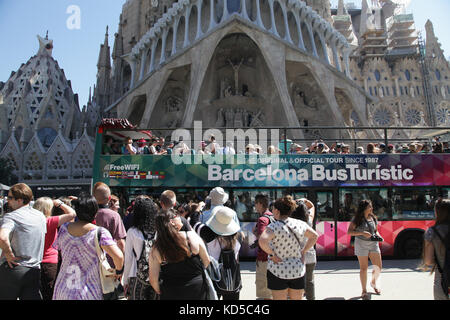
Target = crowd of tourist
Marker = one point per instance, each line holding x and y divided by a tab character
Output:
67	249
158	146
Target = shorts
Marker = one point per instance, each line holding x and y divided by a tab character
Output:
363	247
275	283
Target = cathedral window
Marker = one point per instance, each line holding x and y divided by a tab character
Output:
383	117
408	75
47	136
438	74
377	75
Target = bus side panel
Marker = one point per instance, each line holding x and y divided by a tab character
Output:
326	243
389	230
344	248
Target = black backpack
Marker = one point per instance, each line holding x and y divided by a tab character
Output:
230	281
445	269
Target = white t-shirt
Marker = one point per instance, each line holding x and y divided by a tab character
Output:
135	240
287	248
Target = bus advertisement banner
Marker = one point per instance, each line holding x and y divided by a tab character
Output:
274	171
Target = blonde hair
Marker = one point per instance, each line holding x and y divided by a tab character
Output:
45	205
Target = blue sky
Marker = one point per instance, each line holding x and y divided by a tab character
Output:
76	50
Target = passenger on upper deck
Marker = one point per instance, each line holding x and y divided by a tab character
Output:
129	148
108	146
142	147
213	147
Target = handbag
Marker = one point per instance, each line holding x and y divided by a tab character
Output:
106	272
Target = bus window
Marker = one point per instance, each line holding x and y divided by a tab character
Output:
446	193
350	198
295	194
347	206
243	202
414	204
325	211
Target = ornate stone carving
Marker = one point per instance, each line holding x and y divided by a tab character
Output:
173	104
302	100
239	118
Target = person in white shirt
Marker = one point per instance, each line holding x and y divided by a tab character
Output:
213	147
229	149
144	213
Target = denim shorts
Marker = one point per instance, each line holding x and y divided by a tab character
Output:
363	247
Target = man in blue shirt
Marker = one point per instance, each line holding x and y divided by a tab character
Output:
218	197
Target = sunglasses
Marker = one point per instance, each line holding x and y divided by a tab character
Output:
10	198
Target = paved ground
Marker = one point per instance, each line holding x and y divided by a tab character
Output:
339	280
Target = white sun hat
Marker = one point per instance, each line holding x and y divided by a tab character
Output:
222	221
218	196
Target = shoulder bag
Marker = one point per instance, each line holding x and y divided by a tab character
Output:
106	272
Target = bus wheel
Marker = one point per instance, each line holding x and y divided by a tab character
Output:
410	245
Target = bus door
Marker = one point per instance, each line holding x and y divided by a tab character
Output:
325	203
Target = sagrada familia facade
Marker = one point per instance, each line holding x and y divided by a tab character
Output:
231	63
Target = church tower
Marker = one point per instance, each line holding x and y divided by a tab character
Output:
433	47
103	88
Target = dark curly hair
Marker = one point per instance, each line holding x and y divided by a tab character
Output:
144	212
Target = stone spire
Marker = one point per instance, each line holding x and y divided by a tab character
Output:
366	18
118	52
341	8
103	88
342	22
45	45
104	56
433	47
118	42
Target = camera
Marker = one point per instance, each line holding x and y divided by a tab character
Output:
376	238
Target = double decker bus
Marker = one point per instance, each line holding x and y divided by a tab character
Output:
402	187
